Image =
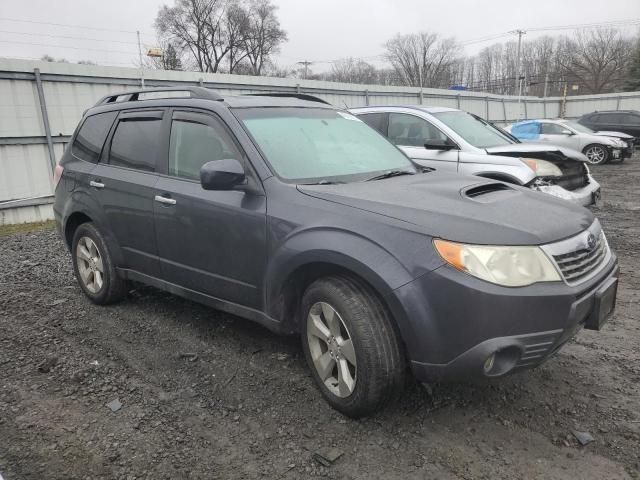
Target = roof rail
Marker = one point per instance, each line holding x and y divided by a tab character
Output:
134	95
300	96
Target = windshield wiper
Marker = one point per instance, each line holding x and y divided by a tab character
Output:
323	182
390	173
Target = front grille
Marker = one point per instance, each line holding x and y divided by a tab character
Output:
579	264
574	176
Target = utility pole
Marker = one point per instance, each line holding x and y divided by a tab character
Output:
546	83
306	64
518	84
140	60
563	108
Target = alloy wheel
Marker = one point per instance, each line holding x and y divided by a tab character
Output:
596	154
331	348
90	265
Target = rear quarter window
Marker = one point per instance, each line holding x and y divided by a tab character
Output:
91	136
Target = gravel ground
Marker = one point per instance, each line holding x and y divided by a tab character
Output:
203	394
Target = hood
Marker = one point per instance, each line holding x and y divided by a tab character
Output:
463	209
621	135
533	149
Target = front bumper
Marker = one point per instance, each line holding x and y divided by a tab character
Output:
461	321
586	196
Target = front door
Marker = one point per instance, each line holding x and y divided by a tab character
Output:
559	135
410	133
213	242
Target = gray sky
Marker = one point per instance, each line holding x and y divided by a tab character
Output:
320	30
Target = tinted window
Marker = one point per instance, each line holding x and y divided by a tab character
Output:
375	120
613	118
136	143
193	144
90	139
552	129
410	130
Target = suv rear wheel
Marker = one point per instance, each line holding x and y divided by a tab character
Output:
351	346
94	268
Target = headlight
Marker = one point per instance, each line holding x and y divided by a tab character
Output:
502	265
542	168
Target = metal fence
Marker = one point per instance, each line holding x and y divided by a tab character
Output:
41	103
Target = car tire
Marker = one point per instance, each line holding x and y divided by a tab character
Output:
94	268
355	355
596	154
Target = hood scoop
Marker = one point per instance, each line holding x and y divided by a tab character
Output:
488	192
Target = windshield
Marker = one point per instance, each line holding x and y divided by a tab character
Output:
472	130
311	145
578	127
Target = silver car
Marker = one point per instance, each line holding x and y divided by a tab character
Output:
452	140
597	146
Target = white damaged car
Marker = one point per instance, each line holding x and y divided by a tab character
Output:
452	140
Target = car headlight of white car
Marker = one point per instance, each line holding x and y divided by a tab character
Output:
542	168
509	266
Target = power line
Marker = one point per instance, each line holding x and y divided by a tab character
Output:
71	37
86	27
13	42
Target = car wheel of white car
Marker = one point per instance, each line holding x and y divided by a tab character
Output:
596	154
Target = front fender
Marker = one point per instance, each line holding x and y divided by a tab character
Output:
340	248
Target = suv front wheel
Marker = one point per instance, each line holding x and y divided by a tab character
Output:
351	346
94	267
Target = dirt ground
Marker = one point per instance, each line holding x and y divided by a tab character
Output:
206	395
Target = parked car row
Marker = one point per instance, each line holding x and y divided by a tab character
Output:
599	147
299	216
451	140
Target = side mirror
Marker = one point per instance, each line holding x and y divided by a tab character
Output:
440	145
567	133
222	175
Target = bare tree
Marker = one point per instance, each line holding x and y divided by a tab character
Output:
264	34
595	59
421	59
351	70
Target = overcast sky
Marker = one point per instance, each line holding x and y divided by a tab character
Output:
319	30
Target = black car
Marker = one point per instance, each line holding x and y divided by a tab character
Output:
624	121
299	216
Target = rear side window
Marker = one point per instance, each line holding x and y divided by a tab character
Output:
90	139
375	120
136	144
552	129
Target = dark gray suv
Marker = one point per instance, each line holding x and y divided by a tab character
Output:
299	216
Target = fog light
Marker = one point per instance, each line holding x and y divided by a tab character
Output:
488	363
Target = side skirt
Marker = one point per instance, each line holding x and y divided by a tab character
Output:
214	302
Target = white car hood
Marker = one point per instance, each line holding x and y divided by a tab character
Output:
614	134
524	148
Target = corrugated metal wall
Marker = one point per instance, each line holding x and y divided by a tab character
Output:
68	89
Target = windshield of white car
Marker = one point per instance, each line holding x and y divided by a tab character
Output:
578	127
320	145
473	131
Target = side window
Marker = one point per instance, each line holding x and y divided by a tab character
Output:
375	120
409	130
594	118
612	117
90	139
552	129
136	143
195	140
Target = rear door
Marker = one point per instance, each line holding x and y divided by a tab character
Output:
213	242
410	133
124	182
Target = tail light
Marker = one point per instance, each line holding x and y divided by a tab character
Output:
57	175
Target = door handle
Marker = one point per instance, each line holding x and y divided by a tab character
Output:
165	200
95	184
